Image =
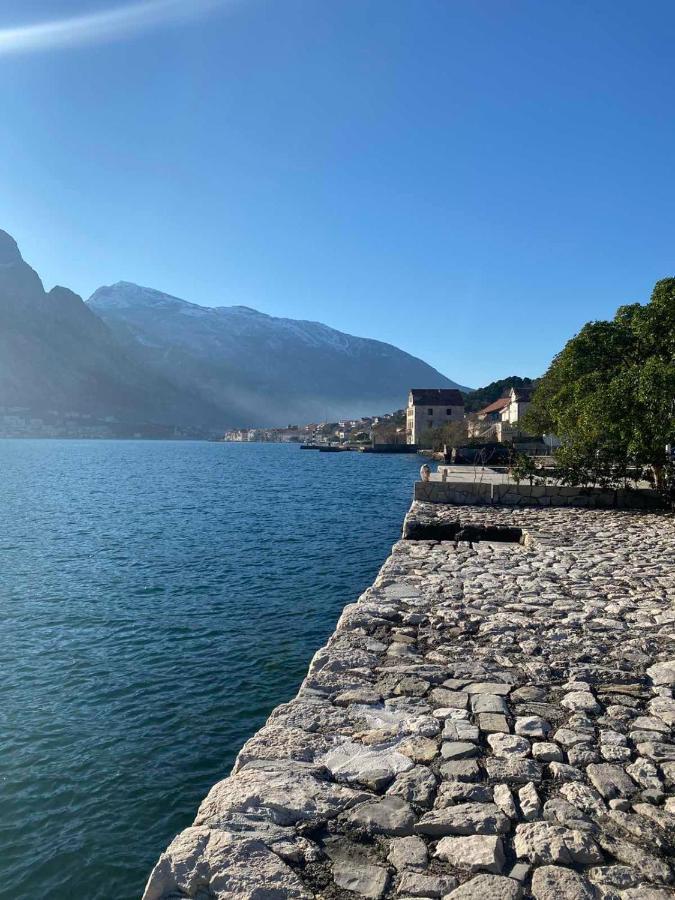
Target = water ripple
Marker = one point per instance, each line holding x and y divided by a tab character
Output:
157	600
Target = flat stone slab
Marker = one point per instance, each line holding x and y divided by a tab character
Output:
450	699
488	687
488	703
474	853
465	818
611	781
513	770
458	749
542	842
390	815
355	764
412	884
481	887
509	746
408	853
364	879
493	723
558	883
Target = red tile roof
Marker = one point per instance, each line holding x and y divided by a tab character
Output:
494	407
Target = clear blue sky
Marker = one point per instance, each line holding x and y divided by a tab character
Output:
471	181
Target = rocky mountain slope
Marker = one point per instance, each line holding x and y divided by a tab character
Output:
57	355
136	355
266	370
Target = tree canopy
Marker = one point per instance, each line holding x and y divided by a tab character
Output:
609	395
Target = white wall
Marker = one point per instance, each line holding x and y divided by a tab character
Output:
419	420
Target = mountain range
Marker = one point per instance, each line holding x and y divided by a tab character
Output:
138	355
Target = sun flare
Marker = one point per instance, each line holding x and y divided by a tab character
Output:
108	24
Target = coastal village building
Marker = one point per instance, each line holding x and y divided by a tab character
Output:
485	419
499	420
431	408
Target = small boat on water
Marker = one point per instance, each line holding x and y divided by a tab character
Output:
310	447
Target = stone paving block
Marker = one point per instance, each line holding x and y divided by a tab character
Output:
490	687
460	770
513	771
532	726
474	853
509	746
408	853
542	842
488	703
446	698
390	815
494	887
558	883
458	750
464	818
492	723
611	781
413	884
364	879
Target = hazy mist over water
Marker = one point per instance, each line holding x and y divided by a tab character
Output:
157	600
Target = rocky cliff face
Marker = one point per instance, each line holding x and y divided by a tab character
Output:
269	370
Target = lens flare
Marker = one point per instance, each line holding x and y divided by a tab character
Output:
108	24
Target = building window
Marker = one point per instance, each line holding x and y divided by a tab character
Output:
430	411
448	412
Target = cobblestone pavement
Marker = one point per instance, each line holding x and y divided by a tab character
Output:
490	720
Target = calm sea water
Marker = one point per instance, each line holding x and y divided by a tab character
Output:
157	600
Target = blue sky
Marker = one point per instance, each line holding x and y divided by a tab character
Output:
471	181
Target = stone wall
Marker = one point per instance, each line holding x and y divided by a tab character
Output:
489	720
541	495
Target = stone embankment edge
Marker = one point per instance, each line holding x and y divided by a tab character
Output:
538	495
257	827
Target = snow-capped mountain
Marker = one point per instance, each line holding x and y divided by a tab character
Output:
134	355
260	369
57	355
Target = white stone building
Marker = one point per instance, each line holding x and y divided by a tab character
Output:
500	420
431	408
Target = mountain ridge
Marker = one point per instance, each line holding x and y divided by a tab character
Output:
102	296
138	355
299	369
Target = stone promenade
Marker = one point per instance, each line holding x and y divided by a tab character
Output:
490	720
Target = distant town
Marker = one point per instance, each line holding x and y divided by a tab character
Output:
434	419
388	428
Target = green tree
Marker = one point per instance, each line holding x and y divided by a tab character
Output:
452	434
609	395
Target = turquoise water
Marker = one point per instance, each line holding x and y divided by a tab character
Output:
157	600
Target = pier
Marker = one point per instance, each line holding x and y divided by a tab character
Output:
491	720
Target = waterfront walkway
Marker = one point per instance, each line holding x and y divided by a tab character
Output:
490	720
